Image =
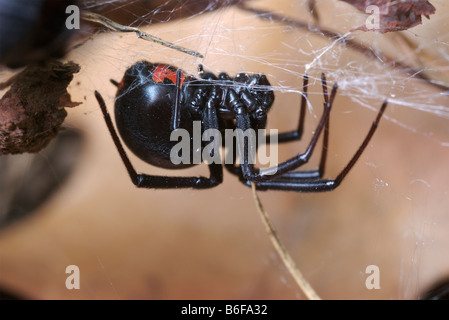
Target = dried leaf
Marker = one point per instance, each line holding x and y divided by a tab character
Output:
32	110
395	15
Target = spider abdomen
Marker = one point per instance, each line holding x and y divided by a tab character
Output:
143	113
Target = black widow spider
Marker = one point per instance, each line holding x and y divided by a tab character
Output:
154	99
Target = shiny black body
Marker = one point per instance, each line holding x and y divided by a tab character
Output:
143	106
154	99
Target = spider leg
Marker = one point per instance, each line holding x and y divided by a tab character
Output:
292	181
248	171
256	175
291	135
164	182
176	109
284	137
322	165
297	134
232	167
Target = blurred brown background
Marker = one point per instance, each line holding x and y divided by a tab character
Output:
391	211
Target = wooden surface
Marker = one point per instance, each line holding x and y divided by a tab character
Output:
391	211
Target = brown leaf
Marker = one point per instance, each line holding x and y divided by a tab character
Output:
395	15
32	110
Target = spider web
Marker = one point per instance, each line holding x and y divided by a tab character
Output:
391	211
